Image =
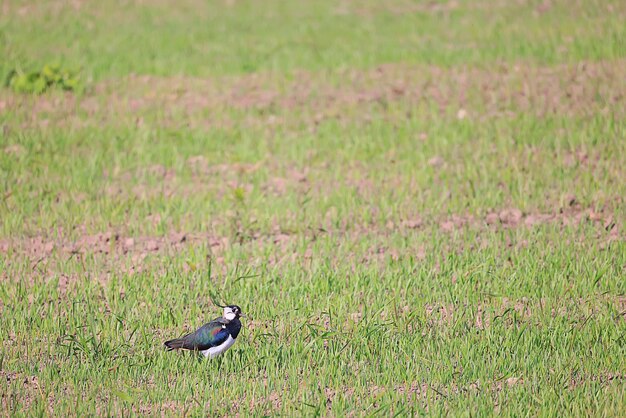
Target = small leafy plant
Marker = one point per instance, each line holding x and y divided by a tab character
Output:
37	82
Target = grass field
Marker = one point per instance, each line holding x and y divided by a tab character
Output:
420	206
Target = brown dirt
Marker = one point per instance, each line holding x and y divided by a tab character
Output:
567	90
43	248
524	309
579	379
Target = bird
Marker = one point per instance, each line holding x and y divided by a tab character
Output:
214	338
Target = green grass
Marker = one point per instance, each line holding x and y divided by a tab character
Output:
208	37
420	206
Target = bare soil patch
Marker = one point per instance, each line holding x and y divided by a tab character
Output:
564	89
115	244
348	95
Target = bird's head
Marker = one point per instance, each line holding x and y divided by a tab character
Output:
232	311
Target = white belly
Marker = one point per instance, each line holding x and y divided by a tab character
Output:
217	350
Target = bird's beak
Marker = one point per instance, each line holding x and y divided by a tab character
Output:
242	315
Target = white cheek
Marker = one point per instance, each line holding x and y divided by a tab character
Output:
230	316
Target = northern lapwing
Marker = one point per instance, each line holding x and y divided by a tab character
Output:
214	338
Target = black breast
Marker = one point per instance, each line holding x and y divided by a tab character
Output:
234	327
